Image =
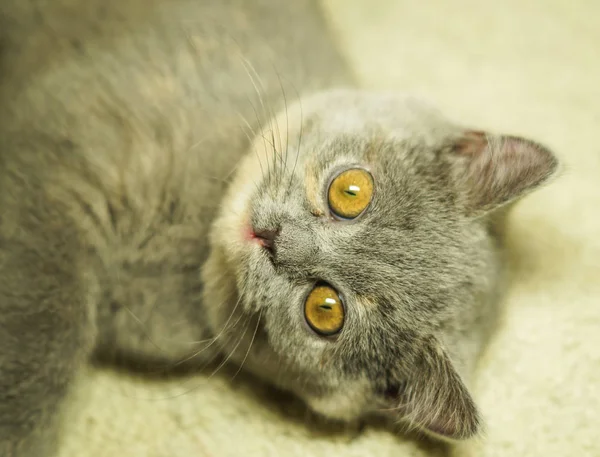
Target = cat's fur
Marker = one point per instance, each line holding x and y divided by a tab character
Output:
140	141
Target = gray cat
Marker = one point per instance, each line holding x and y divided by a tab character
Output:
190	179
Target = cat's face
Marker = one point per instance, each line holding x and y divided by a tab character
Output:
349	255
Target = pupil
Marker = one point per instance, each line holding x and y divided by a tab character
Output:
327	307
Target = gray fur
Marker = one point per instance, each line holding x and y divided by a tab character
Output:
127	129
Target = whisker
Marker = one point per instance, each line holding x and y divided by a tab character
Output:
142	327
250	142
246	66
214	339
204	366
299	142
257	116
268	110
250	345
196	144
240	339
287	121
264	138
274	121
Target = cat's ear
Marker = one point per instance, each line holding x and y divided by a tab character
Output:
435	398
494	170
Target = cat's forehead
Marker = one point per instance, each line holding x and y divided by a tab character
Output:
344	128
340	114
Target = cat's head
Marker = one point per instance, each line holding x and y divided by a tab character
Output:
351	262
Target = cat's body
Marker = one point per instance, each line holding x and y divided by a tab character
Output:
121	123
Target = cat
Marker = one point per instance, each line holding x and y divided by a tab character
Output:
185	180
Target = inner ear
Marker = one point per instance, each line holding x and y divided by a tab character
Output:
492	170
435	397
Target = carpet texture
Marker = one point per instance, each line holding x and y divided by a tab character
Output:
521	67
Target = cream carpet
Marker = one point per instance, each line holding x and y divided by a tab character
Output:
528	67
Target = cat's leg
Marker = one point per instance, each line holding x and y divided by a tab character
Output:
46	328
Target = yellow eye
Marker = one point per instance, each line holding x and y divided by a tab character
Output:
324	310
350	193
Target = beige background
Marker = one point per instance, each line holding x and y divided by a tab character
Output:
528	67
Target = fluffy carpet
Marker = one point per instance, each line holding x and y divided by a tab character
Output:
522	67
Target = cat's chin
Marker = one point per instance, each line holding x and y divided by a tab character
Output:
346	405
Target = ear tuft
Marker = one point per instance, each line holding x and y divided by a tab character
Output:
494	170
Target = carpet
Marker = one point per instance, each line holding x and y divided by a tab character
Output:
523	67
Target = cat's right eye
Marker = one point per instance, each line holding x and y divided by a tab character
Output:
350	193
324	310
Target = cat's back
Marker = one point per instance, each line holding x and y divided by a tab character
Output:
143	107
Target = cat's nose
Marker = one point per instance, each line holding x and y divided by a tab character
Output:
267	238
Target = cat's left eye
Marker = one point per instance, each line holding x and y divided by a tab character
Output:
324	310
350	193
